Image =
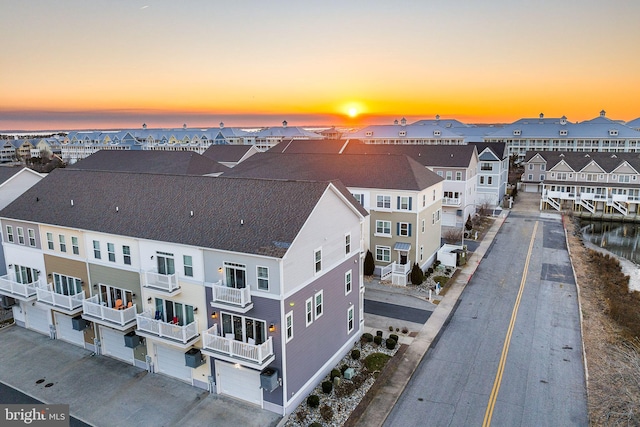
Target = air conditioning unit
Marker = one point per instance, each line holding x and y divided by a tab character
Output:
269	379
193	358
7	302
79	324
131	340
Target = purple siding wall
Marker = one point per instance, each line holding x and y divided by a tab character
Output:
312	346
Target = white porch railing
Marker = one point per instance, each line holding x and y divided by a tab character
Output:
554	204
67	302
257	353
93	307
232	296
450	201
147	323
163	282
9	285
397	271
620	207
587	205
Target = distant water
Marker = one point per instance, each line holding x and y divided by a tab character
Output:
621	239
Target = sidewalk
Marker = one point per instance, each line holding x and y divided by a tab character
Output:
389	392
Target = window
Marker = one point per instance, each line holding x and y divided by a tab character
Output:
63	244
176	312
489	180
383	227
20	232
422	227
421	252
50	241
289	326
309	309
96	249
458	176
187	260
350	319
621	178
235	275
263	278
449	175
383	253
347	282
66	285
530	166
486	166
404	203
111	252
359	198
25	275
530	177
424	199
32	236
481	180
109	295
542	167
166	263
75	247
126	252
433	197
347	244
383	202
438	215
10	234
318	304
403	229
439	173
318	260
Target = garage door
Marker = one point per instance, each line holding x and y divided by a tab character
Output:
170	361
37	319
449	219
65	331
239	382
113	345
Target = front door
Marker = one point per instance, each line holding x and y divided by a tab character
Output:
403	258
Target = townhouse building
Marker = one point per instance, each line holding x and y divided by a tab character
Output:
589	184
600	134
403	133
493	173
404	201
244	287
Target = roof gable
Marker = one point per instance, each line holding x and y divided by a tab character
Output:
592	167
561	166
625	167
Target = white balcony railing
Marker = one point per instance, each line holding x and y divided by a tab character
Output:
9	286
256	353
67	302
163	282
449	201
221	294
397	271
161	329
94	308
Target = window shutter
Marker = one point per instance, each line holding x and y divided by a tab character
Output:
409	227
397	228
398	202
410	198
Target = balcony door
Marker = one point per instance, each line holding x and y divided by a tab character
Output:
66	285
244	328
235	275
174	312
25	275
110	294
166	264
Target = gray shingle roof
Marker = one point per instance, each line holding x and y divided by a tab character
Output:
397	172
240	215
297	146
578	160
152	161
6	172
226	152
455	156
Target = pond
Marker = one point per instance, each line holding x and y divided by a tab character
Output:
621	239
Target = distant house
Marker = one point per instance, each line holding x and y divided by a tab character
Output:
404	200
403	133
248	288
493	174
267	138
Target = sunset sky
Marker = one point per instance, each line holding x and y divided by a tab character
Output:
120	63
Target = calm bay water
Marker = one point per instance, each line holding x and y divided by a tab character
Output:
621	239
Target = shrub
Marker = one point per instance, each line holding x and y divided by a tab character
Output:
369	264
313	401
405	330
397	329
379	333
468	225
430	271
367	337
343	368
417	276
393	337
376	361
377	339
345	388
301	415
326	413
391	343
436	263
327	386
355	354
359	379
335	373
390	328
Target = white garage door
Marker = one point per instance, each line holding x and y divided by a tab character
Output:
449	219
170	361
113	345
37	319
65	331
239	382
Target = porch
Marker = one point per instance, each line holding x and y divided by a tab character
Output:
68	304
257	356
20	291
120	319
237	299
166	283
182	336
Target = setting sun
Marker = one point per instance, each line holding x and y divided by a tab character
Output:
353	112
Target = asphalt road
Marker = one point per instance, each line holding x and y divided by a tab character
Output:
470	377
395	311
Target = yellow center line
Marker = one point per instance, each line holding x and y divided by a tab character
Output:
505	348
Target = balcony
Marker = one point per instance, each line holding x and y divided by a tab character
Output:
95	311
19	291
68	304
237	299
257	356
396	272
450	201
165	283
170	333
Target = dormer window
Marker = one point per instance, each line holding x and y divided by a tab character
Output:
517	132
613	132
563	132
368	133
436	133
402	133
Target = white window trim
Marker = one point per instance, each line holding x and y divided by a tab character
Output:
10	236
382	247
31	235
20	235
400	229
348	274
258	267
377	234
347	247
320	293
288	319
308	311
317	270
382	208
351	327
